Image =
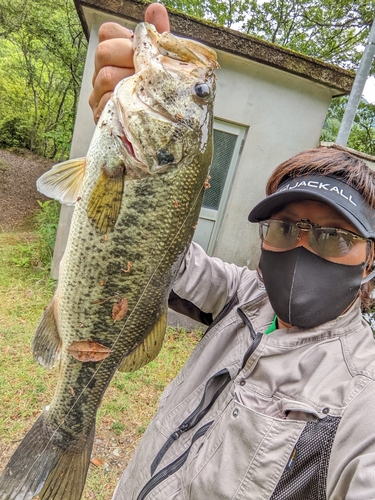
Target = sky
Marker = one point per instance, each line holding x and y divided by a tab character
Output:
369	90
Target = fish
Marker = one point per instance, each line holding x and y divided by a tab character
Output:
137	196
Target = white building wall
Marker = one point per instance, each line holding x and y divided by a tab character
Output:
284	115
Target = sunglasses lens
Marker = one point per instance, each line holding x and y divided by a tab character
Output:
330	242
325	241
278	234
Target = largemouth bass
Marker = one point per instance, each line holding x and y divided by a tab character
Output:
137	197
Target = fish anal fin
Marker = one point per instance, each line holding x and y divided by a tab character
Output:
63	182
105	201
47	343
148	349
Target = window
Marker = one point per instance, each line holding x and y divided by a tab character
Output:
228	140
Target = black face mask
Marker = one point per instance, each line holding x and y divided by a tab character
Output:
306	290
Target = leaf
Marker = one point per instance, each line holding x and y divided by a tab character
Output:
120	309
97	462
88	350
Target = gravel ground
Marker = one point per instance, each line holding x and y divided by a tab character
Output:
18	200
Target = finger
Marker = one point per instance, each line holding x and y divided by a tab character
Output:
98	108
157	15
107	79
107	31
117	52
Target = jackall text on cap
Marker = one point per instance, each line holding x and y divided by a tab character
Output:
334	192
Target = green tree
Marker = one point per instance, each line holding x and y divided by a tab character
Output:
362	134
42	49
331	30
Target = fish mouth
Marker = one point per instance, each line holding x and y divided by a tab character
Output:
128	146
131	145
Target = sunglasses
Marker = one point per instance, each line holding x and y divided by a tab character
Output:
325	241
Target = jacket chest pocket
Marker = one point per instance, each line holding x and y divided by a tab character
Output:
242	456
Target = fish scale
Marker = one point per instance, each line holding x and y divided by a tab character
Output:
137	197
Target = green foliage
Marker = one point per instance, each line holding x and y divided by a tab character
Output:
14	132
37	251
226	13
47	219
118	427
362	135
42	50
332	30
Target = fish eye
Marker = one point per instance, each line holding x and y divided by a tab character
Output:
202	90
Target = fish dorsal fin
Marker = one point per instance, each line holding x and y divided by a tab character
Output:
148	349
186	50
63	182
204	53
175	48
105	200
47	342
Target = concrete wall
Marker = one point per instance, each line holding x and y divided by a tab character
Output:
284	114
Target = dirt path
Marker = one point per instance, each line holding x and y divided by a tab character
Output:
18	194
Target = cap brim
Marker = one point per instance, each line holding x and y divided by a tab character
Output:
343	198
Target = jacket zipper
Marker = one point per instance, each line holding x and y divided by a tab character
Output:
197	415
173	466
193	419
257	337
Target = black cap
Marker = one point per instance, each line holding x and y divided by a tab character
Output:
334	192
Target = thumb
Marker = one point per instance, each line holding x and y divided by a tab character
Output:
157	15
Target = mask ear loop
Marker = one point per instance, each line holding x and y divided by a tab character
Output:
370	257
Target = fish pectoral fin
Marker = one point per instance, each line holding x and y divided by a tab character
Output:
148	349
63	182
105	201
47	342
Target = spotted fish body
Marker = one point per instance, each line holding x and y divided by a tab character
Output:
137	199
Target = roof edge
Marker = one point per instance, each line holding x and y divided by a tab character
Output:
339	80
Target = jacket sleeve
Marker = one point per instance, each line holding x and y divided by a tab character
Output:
351	473
204	285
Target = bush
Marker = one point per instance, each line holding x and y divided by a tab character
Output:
47	219
14	133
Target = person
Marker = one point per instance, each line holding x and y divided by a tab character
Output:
277	400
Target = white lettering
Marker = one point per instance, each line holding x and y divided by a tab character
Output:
351	201
342	194
318	185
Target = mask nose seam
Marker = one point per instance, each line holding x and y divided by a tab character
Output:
292	287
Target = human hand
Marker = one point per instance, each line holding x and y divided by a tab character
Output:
114	56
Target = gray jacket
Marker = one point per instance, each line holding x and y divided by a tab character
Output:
290	415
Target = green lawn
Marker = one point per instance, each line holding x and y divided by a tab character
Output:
130	401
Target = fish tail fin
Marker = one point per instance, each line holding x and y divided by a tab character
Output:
43	469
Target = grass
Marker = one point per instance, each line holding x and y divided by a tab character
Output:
130	401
